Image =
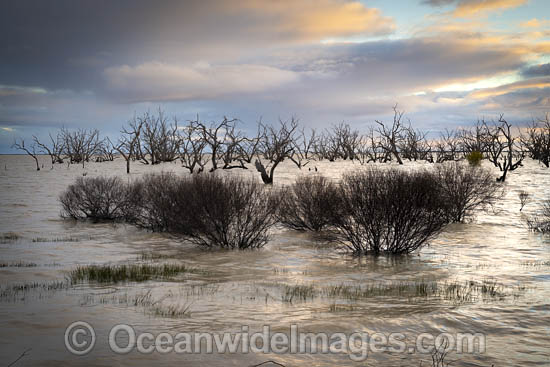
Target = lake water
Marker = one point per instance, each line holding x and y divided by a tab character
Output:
247	288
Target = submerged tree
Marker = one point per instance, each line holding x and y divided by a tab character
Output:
31	151
128	144
54	149
276	144
537	141
392	136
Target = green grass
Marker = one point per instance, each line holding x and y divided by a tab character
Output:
126	273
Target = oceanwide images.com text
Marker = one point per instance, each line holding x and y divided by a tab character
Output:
80	339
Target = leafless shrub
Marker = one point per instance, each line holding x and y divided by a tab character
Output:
388	211
151	201
98	198
207	210
227	212
537	141
465	188
523	198
540	222
306	205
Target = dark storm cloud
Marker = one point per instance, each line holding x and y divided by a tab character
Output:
66	44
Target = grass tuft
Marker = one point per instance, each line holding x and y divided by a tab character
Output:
126	273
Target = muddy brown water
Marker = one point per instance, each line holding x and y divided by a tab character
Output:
235	288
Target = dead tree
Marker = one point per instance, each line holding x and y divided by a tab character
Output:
303	148
329	146
31	151
414	145
346	140
537	141
277	144
80	145
448	147
214	135
249	146
192	148
231	152
514	156
106	151
159	139
392	136
474	139
370	149
128	144
54	149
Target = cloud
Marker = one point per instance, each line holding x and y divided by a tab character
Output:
534	83
535	23
157	81
468	8
315	20
537	70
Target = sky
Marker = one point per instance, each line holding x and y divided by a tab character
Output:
96	64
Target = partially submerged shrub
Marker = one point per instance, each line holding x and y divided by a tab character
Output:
474	158
228	212
306	205
465	189
540	222
151	201
96	198
388	211
206	209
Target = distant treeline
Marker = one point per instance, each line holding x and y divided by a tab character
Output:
152	139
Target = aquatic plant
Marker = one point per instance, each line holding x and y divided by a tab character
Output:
466	189
306	204
388	211
540	221
96	198
125	273
207	210
7	237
